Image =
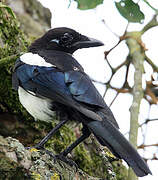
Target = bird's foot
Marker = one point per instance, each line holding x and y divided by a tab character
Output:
67	160
37	146
42	149
60	157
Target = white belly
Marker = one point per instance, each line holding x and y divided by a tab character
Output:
39	108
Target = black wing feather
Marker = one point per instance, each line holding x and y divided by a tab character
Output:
49	82
63	61
82	88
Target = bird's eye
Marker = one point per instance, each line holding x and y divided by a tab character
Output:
67	37
66	40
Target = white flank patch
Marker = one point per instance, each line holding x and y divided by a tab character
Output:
34	59
39	108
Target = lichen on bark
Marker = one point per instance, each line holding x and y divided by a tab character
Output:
18	163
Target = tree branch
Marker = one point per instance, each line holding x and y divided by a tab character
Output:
147	145
148	120
155	68
137	59
151	24
34	164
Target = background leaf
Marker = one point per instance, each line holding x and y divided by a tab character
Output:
88	4
130	10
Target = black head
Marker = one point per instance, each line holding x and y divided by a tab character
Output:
63	39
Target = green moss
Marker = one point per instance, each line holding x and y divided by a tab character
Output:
12	44
83	158
6	164
61	139
120	170
10	169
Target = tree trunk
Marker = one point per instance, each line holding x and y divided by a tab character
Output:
137	59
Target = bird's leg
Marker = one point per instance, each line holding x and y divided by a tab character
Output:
50	134
63	119
73	145
62	155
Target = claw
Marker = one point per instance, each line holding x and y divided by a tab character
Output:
37	147
68	161
60	157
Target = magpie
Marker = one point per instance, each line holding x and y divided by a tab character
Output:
49	79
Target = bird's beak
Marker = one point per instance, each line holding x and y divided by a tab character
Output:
87	42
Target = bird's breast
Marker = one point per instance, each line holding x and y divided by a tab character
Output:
39	108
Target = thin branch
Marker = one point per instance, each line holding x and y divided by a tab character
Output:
121	38
149	92
99	82
148	120
150	25
151	159
126	62
109	63
107	52
105	92
103	21
156	10
114	99
147	145
155	68
126	77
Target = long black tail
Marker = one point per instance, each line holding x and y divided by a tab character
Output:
108	135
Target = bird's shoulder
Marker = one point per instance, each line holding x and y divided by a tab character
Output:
46	58
63	61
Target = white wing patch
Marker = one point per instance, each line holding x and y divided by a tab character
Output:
39	108
34	59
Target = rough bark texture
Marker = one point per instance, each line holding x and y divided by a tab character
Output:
18	163
15	122
34	18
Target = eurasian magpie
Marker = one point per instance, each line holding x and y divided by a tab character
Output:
49	79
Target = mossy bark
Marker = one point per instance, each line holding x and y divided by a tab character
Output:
12	44
18	163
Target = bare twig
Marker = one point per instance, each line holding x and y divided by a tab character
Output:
103	21
142	146
156	10
147	121
121	38
151	24
155	68
114	99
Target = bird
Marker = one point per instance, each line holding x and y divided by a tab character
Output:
49	79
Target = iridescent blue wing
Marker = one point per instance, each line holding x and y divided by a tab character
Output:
82	88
